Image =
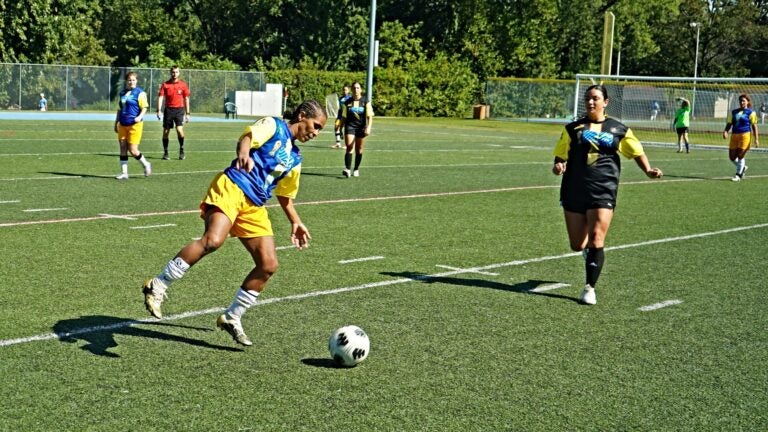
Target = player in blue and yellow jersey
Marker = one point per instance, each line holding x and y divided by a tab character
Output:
338	123
356	118
268	161
129	124
587	156
743	120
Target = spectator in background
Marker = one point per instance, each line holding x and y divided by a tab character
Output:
654	110
587	156
338	123
743	120
175	94
267	160
681	123
42	104
129	124
356	119
763	112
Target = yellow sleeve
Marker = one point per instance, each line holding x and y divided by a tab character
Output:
288	186
753	118
630	146
143	100
563	146
369	109
260	132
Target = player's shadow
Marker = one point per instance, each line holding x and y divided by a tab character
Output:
68	174
327	363
318	174
526	287
98	331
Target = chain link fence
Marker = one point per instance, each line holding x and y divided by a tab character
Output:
95	88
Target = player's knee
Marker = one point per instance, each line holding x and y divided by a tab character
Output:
270	266
212	242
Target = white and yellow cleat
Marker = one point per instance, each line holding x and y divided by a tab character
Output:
234	328
153	298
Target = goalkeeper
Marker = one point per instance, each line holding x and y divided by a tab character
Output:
681	123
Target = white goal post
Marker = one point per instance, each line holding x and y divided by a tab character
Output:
633	100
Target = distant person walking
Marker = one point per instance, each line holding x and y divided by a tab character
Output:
743	121
175	94
356	118
654	110
681	123
338	123
763	112
129	124
42	104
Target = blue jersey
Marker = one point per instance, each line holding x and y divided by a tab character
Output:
132	101
742	120
274	156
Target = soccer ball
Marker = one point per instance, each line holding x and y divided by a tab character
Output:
349	345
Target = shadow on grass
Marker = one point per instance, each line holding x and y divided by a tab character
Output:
327	363
67	174
99	332
522	288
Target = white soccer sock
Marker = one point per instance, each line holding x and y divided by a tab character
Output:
242	302
173	271
740	166
144	161
124	166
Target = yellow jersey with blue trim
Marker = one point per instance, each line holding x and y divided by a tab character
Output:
742	120
132	101
277	162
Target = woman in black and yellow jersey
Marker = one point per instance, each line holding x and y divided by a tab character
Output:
587	156
356	118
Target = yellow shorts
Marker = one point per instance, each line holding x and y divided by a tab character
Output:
130	134
248	219
740	141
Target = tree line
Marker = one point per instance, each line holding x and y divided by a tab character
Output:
487	38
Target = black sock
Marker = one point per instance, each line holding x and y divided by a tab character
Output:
138	158
181	144
358	159
594	265
123	158
165	145
347	160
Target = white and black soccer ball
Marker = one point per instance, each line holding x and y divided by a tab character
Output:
349	345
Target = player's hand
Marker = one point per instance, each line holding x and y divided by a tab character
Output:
186	118
558	168
244	163
725	135
300	236
654	173
159	116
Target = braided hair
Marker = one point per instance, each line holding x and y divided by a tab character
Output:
310	108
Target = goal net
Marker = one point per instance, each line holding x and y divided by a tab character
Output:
648	104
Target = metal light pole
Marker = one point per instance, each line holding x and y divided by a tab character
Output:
697	26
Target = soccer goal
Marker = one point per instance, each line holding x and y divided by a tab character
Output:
648	104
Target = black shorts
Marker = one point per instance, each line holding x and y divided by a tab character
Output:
358	132
173	116
581	206
681	131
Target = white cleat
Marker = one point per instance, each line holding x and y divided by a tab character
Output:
148	170
122	176
588	296
234	328
356	173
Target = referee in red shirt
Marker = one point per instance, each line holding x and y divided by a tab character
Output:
175	94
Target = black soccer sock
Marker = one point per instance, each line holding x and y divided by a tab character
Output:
347	160
181	143
165	145
594	265
138	158
358	159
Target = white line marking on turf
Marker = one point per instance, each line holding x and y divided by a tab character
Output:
370	258
43	209
10	202
660	305
550	287
153	226
111	216
49	336
459	268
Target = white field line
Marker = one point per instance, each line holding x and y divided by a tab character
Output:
153	226
550	287
49	336
338	201
43	209
10	202
660	305
355	260
459	268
